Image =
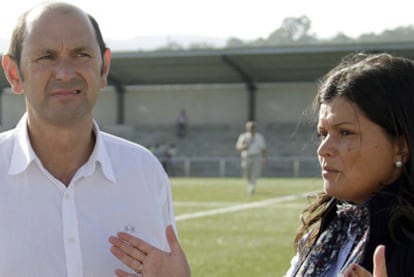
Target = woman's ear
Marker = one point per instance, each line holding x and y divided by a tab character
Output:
402	151
12	72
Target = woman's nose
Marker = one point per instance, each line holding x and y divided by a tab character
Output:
326	147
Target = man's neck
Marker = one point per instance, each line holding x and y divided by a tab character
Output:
62	151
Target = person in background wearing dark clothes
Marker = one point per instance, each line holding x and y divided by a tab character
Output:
182	122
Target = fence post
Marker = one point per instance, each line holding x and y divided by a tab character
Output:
296	168
187	167
222	165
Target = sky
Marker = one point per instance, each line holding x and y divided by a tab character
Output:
244	19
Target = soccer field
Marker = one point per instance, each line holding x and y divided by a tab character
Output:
227	233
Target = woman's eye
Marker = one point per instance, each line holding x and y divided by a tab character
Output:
321	135
345	133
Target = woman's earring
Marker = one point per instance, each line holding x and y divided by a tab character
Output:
398	164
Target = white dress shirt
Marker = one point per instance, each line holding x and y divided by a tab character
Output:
48	229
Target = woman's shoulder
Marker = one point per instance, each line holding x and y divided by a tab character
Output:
400	258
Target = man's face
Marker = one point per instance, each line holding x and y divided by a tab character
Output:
251	128
61	68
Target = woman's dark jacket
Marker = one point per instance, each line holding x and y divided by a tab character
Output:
399	255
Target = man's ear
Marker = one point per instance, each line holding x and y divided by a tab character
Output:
12	72
106	63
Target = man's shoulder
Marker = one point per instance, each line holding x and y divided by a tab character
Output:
120	144
7	141
112	140
6	136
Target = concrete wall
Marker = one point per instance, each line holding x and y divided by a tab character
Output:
12	108
205	104
283	102
213	104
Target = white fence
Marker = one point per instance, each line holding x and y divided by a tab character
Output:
230	167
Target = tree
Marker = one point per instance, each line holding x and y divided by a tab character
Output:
340	38
296	31
234	43
293	29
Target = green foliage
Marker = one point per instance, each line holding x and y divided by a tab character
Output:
255	241
297	31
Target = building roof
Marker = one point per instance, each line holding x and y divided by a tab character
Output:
226	66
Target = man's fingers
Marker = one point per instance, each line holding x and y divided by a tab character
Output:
172	240
136	242
171	237
128	248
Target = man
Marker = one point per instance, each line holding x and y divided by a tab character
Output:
252	148
66	186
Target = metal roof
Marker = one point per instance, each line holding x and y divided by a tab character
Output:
256	65
226	66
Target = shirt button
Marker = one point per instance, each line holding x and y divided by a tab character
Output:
71	240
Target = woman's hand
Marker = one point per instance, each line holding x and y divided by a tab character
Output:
380	269
147	260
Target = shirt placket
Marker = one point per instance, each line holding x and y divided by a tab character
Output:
71	234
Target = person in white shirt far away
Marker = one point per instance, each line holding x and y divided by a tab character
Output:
252	148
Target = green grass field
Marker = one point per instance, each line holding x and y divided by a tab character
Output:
227	233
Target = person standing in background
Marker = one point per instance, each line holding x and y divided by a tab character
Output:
252	148
182	122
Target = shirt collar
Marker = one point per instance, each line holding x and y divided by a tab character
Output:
23	153
100	154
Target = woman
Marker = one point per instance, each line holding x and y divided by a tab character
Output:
366	130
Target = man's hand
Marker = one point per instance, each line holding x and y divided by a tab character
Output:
147	260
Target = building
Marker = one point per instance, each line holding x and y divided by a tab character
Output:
222	88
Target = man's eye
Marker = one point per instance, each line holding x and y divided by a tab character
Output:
82	54
45	57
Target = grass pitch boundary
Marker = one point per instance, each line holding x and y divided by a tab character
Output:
244	206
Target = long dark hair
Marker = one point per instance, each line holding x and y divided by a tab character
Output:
382	86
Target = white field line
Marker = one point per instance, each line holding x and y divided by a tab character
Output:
241	207
204	204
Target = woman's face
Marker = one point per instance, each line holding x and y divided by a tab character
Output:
357	156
